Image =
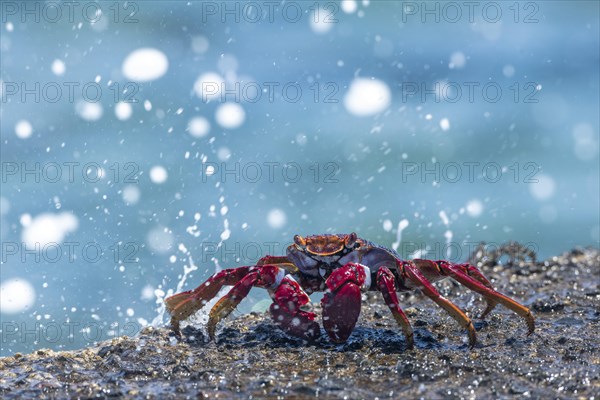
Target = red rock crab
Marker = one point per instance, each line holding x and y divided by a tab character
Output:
342	266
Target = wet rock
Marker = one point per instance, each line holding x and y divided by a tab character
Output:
405	369
252	358
518	388
562	340
547	306
306	390
569	321
104	351
479	325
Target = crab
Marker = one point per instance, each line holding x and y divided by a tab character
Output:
342	266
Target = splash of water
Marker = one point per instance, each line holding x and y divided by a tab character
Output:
161	308
225	235
401	226
160	294
190	267
419	253
448	234
186	269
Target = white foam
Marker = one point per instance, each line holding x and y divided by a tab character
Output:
276	218
230	115
387	225
349	6
16	295
47	228
123	111
474	208
321	20
444	124
58	67
367	97
131	194
208	86
198	127
158	174
25	220
23	129
145	64
147	293
89	111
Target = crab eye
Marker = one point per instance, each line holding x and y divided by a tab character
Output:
351	240
299	240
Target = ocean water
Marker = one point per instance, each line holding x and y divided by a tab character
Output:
147	142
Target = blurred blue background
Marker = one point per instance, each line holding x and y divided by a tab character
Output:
500	101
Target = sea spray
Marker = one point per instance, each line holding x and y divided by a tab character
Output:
401	226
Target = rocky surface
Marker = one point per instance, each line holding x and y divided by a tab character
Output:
253	359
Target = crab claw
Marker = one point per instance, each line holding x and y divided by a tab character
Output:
300	325
341	303
289	298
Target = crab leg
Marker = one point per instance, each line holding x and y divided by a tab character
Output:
411	271
433	272
280	261
266	276
387	286
475	273
286	310
184	304
341	303
455	272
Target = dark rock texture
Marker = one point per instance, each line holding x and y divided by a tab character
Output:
254	359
